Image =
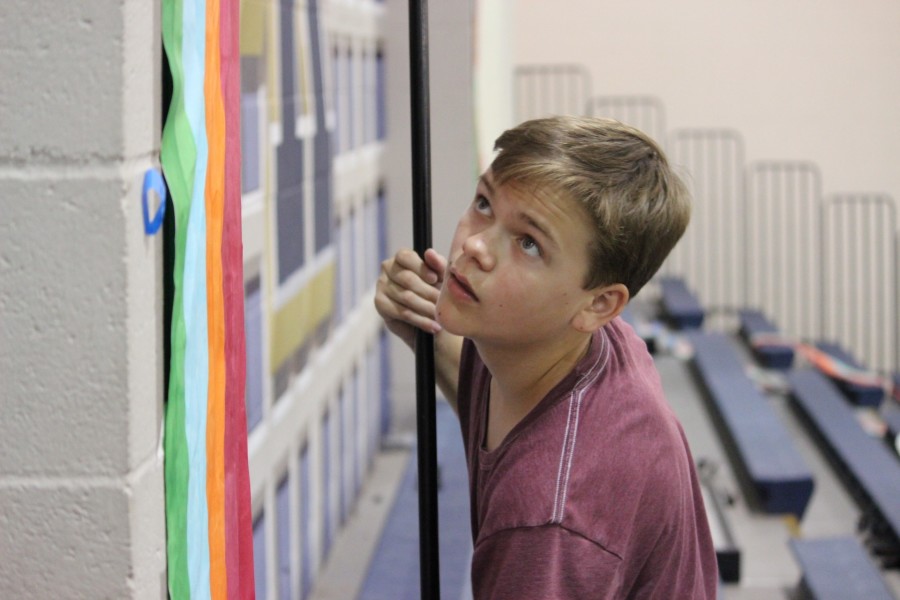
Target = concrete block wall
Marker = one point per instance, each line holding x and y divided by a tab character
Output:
81	480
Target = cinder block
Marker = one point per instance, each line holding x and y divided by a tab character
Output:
148	532
64	542
63	360
142	79
64	81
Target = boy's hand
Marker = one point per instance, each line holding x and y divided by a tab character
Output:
407	292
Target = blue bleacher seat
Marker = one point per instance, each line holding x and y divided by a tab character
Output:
765	452
872	471
679	306
838	569
773	356
646	331
862	395
890	411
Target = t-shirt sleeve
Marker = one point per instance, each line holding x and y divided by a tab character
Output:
536	563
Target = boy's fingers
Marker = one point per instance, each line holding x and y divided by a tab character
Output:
409	280
403	305
406	287
409	259
406	292
437	263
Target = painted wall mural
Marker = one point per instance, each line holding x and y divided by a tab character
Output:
288	169
273	154
208	510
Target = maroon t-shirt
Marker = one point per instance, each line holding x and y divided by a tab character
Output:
594	493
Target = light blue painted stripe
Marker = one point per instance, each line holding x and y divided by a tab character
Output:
195	307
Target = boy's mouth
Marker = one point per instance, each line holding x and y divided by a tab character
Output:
461	285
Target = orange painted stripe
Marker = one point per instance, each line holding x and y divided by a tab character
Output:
215	182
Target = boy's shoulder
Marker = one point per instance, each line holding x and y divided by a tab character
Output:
627	357
626	401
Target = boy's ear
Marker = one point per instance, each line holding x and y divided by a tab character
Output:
607	302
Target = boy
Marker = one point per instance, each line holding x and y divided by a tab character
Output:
581	482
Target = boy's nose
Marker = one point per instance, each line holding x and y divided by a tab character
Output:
477	248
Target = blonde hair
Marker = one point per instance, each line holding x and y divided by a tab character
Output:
639	205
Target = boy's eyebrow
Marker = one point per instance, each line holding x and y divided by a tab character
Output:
522	216
537	225
484	180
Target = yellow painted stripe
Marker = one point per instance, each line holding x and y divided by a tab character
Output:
298	319
253	27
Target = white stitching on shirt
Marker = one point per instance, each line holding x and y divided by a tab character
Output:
562	460
568	451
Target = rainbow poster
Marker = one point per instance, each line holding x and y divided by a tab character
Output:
208	512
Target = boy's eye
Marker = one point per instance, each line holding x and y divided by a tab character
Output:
482	205
529	246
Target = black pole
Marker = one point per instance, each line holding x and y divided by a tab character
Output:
429	571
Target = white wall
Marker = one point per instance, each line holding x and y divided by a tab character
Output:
802	80
453	164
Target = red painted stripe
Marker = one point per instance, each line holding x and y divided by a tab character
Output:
238	516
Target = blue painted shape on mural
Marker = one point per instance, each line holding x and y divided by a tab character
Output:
370	241
373	389
322	142
382	226
289	158
253	321
356	438
380	97
385	383
283	518
327	468
306	525
353	227
338	274
342	453
259	555
350	68
336	140
250	130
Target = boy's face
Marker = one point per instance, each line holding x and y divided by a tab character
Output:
516	267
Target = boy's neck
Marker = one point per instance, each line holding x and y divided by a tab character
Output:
523	375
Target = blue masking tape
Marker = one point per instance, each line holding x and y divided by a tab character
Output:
153	181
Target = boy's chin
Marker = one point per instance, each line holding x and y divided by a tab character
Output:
451	328
448	320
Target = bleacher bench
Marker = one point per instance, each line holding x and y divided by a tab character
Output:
644	330
838	569
873	473
890	412
859	394
762	447
753	325
678	305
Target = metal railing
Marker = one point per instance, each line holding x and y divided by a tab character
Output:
553	89
762	235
